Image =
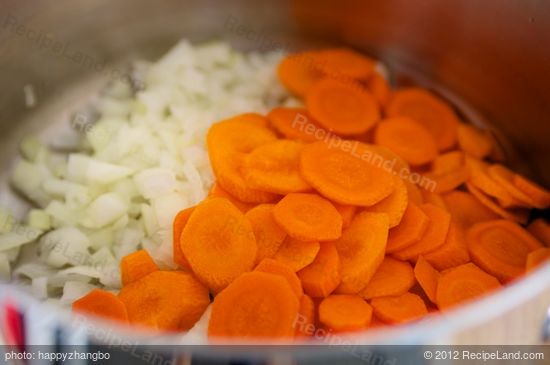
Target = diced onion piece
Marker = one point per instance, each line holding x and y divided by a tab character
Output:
106	209
5	267
167	206
39	219
155	182
67	245
73	290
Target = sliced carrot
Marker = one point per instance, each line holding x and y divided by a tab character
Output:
380	88
342	108
448	162
384	158
345	313
322	276
350	177
216	191
344	64
410	230
274	167
347	212
393	277
101	303
271	266
269	235
433	238
500	247
166	300
541	230
255	305
466	210
433	113
408	139
305	322
449	171
474	141
433	198
297	254
480	178
296	123
427	277
135	266
539	195
399	309
454	251
505	178
218	241
463	283
361	249
395	204
308	217
177	228
519	215
413	192
297	72
537	258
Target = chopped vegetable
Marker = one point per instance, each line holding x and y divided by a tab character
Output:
135	266
322	276
102	303
392	278
345	313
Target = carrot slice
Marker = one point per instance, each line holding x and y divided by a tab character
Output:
308	217
427	277
305	322
448	172
474	141
180	221
271	266
505	178
255	305
399	309
350	177
269	235
342	108
101	303
433	113
541	230
380	88
433	238
297	72
517	215
393	277
274	167
166	300
466	210
347	212
448	162
454	251
500	247
539	195
345	313
216	191
409	139
344	64
480	178
135	266
322	276
297	254
410	230
296	123
413	192
433	198
361	249
537	258
395	204
463	283
218	241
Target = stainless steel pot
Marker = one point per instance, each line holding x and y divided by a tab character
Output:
490	58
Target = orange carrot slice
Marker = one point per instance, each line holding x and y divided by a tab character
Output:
216	191
433	198
380	88
101	303
135	266
466	210
474	141
235	312
305	322
322	276
269	235
516	215
413	192
393	277
463	283
500	247
427	277
433	113
539	195
449	171
433	238
347	212
408	139
274	167
541	230
308	217
410	230
537	258
345	313
296	123
346	176
448	162
480	178
395	204
271	266
297	72
399	309
361	249
454	251
505	178
166	300
218	241
342	108
344	64
177	228
297	254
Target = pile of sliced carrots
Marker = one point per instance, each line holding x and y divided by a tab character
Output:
311	222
